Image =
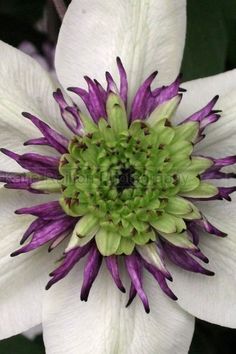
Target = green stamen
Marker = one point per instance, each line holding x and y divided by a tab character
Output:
128	182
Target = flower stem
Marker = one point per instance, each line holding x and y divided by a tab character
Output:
60	7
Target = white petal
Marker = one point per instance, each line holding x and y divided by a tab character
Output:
201	91
147	35
104	326
212	298
25	86
22	278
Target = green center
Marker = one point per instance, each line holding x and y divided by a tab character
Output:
128	182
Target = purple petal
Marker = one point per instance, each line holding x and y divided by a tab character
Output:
46	166
34	226
38	141
200	255
168	92
138	108
133	265
216	174
103	92
191	227
111	85
226	161
181	258
132	294
70	114
112	265
223	193
46	233
18	181
160	278
47	211
91	270
209	120
205	116
123	81
71	258
55	139
208	227
99	106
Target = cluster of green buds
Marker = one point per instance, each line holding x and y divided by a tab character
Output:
130	182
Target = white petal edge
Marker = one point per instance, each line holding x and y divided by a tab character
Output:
147	35
213	298
104	326
22	278
25	86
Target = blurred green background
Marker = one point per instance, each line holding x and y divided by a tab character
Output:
210	49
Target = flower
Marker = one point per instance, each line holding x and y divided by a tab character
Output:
124	184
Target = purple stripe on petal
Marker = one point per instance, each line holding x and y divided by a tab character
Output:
42	165
209	120
211	174
161	279
46	166
224	193
47	233
138	108
47	211
38	141
91	270
168	92
214	171
55	139
191	227
226	161
103	92
134	265
111	85
96	99
132	294
71	258
205	116
200	255
84	95
23	186
18	181
34	226
112	265
123	81
181	258
14	177
208	227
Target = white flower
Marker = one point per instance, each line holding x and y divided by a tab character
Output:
147	35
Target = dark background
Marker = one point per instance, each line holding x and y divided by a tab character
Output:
210	49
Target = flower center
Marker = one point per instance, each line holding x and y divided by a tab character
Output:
126	179
128	182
